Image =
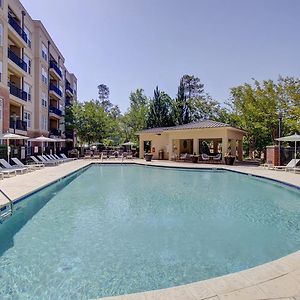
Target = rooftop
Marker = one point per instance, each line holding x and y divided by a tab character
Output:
194	125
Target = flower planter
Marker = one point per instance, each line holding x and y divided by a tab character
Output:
148	157
229	160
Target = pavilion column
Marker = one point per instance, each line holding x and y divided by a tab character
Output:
224	145
240	150
170	148
233	147
196	146
141	148
215	143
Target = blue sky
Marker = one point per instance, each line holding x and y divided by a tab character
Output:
129	44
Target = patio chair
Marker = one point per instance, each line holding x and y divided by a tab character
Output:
46	162
31	167
183	156
218	158
204	157
289	167
8	166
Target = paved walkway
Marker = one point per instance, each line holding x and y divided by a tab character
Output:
279	279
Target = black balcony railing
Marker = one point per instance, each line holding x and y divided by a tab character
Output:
54	131
68	88
14	24
17	60
54	65
55	89
18	124
69	135
14	90
55	110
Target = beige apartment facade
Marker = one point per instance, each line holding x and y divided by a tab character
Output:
34	82
189	138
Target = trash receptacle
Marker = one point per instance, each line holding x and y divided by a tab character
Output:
160	154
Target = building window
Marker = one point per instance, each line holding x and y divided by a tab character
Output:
28	33
28	62
44	76
27	118
44	100
44	52
27	89
44	124
1	71
1	34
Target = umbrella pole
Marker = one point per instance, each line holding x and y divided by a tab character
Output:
295	150
7	141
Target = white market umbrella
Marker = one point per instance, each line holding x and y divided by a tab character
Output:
11	136
128	144
42	139
291	138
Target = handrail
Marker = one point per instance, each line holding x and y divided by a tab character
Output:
11	204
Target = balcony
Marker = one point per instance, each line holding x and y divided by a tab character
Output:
18	124
14	24
69	90
17	92
55	91
17	60
54	131
55	111
54	68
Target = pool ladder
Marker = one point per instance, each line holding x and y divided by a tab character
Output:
6	213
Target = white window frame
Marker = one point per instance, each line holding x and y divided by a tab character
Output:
44	76
44	100
44	52
28	62
28	33
28	88
27	118
44	125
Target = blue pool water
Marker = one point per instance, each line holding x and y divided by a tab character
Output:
111	230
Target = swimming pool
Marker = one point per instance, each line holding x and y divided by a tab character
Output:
116	229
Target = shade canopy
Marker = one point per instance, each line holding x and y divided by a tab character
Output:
42	139
13	136
128	144
291	138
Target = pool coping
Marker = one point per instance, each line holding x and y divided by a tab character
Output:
276	279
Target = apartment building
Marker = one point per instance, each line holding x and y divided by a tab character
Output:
35	85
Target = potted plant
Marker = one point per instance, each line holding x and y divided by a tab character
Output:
229	159
148	156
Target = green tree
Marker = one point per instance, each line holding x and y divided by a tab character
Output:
160	110
103	93
136	117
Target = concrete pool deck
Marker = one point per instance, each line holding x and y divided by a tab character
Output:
279	279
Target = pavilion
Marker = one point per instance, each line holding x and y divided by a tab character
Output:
189	138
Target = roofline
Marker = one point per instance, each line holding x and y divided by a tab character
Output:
172	129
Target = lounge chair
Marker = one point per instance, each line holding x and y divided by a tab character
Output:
31	167
204	157
289	167
8	166
46	162
48	158
218	158
36	161
65	157
55	156
8	172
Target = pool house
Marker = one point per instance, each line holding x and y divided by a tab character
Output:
194	138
